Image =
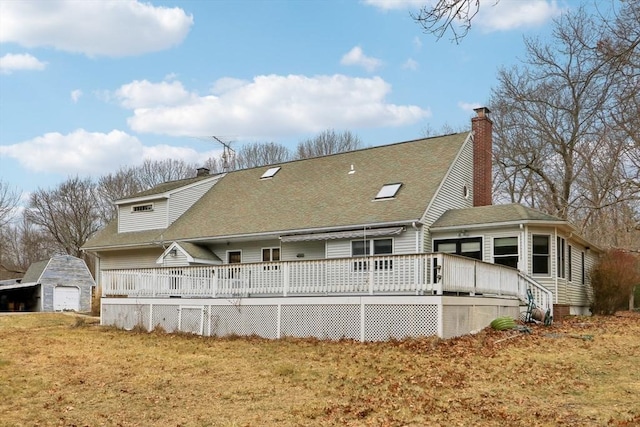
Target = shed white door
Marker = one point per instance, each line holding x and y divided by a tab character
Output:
66	298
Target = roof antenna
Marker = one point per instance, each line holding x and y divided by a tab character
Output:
228	154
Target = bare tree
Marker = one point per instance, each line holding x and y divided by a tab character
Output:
154	172
260	154
448	15
558	147
328	142
69	214
9	199
115	186
24	243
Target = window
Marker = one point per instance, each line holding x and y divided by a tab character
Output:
560	257
234	257
388	191
142	208
270	254
270	172
540	254
360	248
471	247
582	267
505	251
570	273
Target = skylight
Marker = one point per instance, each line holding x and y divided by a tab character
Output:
270	172
388	191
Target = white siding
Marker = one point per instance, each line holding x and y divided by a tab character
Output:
251	251
184	198
180	260
140	258
403	243
311	250
450	195
139	221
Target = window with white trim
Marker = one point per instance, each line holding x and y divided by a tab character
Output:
471	247
540	254
560	257
270	255
570	268
148	207
369	247
269	173
505	251
388	191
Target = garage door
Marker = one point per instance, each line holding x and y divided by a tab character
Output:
66	298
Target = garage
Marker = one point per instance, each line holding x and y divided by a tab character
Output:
61	283
66	298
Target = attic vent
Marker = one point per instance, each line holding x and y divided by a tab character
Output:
270	172
142	208
388	191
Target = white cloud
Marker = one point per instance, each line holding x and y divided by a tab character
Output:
395	4
511	14
417	42
268	107
142	93
107	27
75	95
410	64
23	61
357	57
468	106
89	153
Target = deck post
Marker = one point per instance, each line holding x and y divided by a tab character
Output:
214	285
370	264
285	279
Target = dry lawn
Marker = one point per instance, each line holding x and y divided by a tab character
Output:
56	370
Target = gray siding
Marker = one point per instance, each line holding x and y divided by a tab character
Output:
311	250
66	270
450	195
184	198
403	243
251	251
140	258
138	221
180	260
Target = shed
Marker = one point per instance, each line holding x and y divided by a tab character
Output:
58	284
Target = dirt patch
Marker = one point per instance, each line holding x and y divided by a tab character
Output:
54	371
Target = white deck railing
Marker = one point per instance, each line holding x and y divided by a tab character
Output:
397	274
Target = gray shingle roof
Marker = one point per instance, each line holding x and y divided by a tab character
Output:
319	192
310	194
168	186
109	237
34	271
199	252
492	214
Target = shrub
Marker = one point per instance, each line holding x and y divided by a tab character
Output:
613	279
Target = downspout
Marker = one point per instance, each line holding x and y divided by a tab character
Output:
525	251
415	227
555	245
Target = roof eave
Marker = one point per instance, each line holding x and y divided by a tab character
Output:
278	233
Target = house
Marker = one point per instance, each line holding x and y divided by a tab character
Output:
58	284
384	242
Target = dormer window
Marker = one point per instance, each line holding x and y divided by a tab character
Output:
148	207
270	172
388	191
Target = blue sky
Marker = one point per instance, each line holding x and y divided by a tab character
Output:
89	86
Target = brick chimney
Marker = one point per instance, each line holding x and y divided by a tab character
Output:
481	126
202	171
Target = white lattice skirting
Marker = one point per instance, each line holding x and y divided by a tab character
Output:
371	318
